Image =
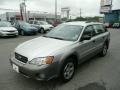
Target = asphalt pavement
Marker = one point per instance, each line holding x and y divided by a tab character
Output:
98	73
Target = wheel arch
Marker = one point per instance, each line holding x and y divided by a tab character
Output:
41	27
107	43
75	59
73	56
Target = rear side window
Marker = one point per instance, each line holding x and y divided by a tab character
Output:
99	29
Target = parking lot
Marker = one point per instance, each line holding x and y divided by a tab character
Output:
96	74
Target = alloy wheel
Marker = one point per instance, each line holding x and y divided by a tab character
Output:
69	70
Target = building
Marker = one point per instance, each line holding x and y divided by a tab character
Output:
11	16
112	17
3	17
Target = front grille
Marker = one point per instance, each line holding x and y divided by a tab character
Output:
10	31
21	58
11	34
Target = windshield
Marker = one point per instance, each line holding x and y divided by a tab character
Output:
5	24
65	32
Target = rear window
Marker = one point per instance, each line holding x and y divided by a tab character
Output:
99	29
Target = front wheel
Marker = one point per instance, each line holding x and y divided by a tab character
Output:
22	33
68	70
104	50
42	30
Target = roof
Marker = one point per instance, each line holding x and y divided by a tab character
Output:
82	23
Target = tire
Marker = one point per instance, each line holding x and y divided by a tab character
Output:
35	33
16	36
68	70
42	30
104	50
22	33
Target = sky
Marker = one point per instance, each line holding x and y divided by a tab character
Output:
88	7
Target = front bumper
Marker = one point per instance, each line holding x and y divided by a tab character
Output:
44	72
9	34
30	32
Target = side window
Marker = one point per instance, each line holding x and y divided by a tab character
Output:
89	30
99	29
36	22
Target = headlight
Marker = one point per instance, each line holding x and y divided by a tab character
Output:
16	31
42	61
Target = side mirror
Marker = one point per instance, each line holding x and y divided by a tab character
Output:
85	37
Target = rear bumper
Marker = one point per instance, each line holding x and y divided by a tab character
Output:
44	72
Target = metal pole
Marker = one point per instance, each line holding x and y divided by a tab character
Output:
80	13
111	5
21	12
25	10
56	10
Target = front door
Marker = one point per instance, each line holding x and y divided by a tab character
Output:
87	47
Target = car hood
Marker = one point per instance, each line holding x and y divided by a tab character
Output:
7	28
41	47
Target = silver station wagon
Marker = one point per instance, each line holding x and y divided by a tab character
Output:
60	51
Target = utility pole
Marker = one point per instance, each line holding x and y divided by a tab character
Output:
25	11
55	10
80	12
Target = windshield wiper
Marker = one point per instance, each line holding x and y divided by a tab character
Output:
54	37
57	38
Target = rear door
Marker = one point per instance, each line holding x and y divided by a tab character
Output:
100	36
